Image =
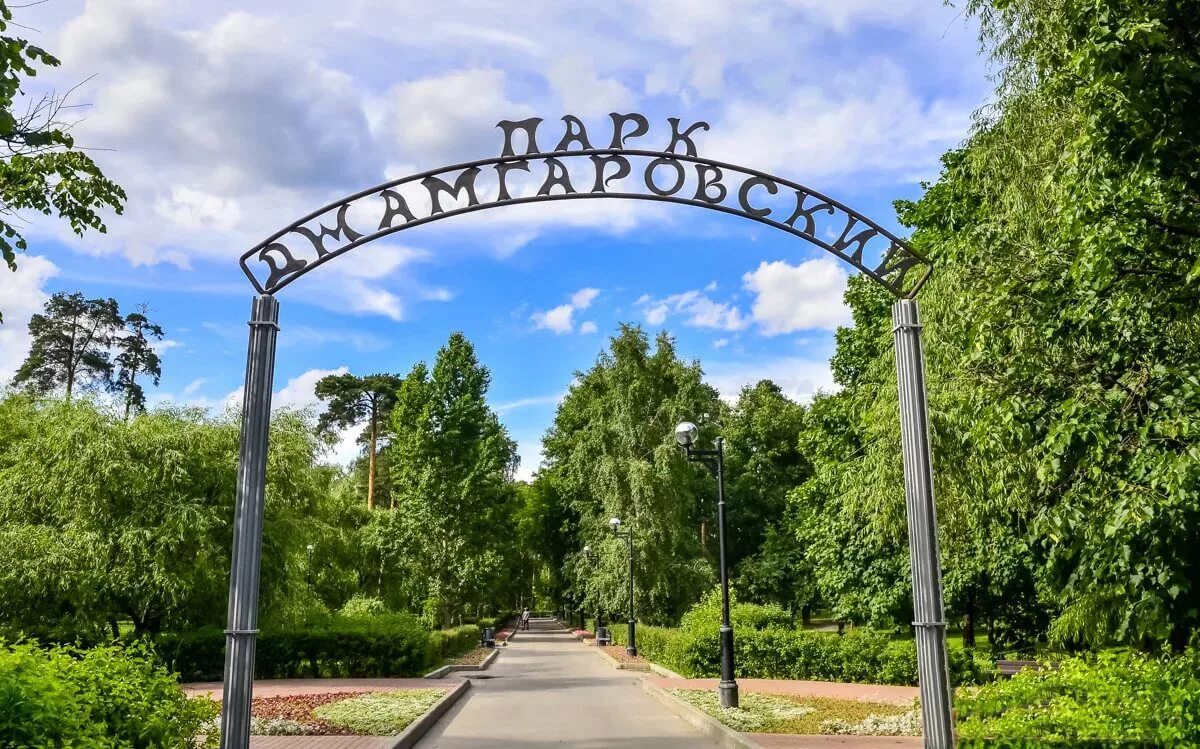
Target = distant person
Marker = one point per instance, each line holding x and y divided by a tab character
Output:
525	618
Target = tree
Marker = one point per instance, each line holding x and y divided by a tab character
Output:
41	168
72	344
611	453
104	519
452	482
351	400
136	355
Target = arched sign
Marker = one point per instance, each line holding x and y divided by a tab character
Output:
576	169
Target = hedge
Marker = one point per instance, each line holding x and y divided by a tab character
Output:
103	697
343	647
1111	699
776	652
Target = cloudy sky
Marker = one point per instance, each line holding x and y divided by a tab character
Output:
225	121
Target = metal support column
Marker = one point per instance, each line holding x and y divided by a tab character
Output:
929	615
727	688
248	523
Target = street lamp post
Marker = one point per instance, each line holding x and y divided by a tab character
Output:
615	523
590	558
686	434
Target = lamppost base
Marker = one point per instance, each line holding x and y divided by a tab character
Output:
727	691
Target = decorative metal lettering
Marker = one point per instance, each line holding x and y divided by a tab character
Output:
676	174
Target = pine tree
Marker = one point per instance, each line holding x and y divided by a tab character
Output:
71	344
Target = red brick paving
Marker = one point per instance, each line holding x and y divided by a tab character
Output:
836	690
288	687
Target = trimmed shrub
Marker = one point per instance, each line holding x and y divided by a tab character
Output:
104	697
861	656
356	646
1106	699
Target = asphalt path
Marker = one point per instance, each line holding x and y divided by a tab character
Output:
547	690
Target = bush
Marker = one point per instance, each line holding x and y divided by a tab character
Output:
387	645
360	607
1110	697
788	653
104	697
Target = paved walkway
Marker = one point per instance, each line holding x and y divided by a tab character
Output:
546	691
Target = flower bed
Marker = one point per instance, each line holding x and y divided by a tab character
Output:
770	713
618	653
472	658
338	714
583	634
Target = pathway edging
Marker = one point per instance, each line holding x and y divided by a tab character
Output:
449	667
726	737
409	737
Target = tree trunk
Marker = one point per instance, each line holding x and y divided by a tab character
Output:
371	460
1181	634
991	627
806	615
969	620
116	628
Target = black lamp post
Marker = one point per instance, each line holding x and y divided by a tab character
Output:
686	435
590	558
615	523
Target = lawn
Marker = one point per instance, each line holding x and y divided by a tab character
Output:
769	713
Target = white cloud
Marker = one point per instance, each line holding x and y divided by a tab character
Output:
561	319
798	297
698	309
865	120
537	400
721	343
24	294
583	298
799	378
588	327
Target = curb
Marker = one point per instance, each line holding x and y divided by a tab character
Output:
663	671
416	730
441	672
723	735
619	665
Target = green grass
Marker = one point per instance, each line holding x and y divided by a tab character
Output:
380	713
769	713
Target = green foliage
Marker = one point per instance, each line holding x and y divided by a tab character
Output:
351	400
447	547
335	647
380	713
768	645
99	698
1109	697
71	345
611	453
135	356
41	170
361	607
102	518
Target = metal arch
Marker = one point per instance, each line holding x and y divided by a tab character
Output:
897	260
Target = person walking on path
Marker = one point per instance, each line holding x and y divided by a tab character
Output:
525	618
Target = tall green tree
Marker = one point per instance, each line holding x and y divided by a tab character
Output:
41	169
455	501
611	452
136	355
351	400
72	344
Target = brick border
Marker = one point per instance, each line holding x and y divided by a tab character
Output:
439	673
416	730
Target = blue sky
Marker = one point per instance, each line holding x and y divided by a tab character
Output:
225	121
